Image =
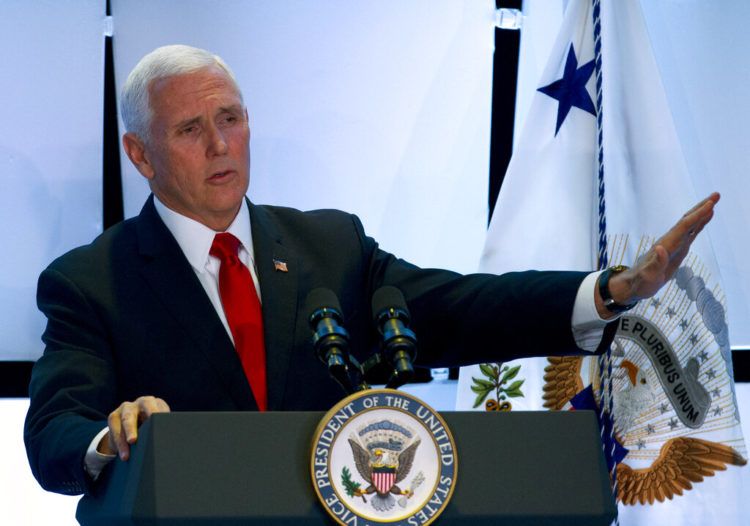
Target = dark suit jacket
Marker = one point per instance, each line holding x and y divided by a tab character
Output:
127	317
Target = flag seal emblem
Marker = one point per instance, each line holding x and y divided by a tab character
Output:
672	391
383	456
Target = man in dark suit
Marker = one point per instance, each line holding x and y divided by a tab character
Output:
138	321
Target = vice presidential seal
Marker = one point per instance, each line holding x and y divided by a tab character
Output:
383	456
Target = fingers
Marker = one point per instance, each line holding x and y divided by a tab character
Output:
713	198
678	240
123	422
666	255
697	217
682	234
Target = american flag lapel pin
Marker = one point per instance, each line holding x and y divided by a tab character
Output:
280	265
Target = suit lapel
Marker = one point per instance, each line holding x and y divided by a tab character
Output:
279	292
175	284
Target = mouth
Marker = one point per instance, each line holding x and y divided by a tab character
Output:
219	177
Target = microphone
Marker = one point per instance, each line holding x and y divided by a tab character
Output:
330	338
391	316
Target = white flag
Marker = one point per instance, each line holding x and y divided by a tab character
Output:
674	404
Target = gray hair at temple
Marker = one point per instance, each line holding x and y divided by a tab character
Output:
161	63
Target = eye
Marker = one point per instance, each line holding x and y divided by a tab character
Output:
189	130
227	119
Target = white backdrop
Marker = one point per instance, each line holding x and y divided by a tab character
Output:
50	151
378	108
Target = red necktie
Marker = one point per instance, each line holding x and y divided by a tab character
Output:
242	309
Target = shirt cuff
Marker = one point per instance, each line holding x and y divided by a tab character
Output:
588	326
94	462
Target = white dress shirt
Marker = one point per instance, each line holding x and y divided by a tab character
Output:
195	240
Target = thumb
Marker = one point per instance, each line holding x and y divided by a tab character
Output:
661	258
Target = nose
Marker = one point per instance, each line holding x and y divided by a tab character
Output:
217	144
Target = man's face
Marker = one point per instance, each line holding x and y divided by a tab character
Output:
198	158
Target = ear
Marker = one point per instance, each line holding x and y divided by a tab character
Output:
135	148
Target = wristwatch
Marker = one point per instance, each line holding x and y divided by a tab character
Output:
603	284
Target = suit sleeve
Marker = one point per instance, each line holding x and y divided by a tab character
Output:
467	319
72	387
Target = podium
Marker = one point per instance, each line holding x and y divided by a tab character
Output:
519	468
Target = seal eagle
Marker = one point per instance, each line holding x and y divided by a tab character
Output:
383	468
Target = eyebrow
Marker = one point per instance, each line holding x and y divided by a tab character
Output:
234	108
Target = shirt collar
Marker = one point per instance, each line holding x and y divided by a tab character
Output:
195	239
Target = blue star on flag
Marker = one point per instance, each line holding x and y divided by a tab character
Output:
570	90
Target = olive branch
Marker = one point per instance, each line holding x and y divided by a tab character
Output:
350	486
497	375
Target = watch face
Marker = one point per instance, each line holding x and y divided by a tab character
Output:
618	268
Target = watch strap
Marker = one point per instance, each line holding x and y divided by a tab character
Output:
603	283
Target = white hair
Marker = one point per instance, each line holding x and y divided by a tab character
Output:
161	63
